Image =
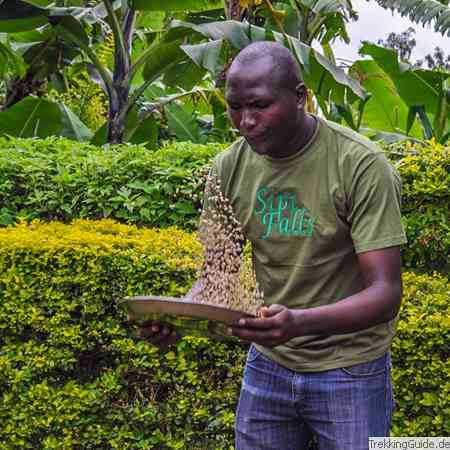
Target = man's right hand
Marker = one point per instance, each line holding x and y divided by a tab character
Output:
158	334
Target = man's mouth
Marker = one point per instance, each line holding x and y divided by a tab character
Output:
258	144
255	137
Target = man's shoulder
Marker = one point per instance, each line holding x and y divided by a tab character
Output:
350	141
355	154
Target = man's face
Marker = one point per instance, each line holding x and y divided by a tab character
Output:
264	112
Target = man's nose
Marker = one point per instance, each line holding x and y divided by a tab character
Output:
248	120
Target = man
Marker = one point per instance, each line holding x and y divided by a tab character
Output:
321	206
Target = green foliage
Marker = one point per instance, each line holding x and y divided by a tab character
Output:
38	117
72	376
31	117
85	99
113	40
425	12
189	46
58	179
176	5
421	364
425	174
422	93
385	110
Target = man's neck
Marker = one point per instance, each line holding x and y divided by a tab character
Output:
307	127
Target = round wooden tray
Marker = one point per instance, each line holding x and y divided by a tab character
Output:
189	318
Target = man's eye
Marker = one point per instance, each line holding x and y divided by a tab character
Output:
233	107
260	105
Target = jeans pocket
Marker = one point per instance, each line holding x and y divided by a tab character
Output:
252	354
368	369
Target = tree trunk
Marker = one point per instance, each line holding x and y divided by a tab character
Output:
118	101
117	116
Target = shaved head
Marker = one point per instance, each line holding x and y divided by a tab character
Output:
266	100
284	69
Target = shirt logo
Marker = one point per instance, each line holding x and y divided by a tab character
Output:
280	213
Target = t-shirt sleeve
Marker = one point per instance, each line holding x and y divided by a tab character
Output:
375	205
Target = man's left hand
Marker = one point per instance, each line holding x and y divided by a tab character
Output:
275	325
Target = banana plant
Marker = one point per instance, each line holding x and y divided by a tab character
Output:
437	14
171	48
10	61
423	94
35	55
12	64
70	27
33	38
307	20
425	12
403	102
225	38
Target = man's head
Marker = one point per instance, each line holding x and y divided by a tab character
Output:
266	98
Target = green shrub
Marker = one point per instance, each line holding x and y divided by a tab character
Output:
59	179
71	374
425	174
421	351
73	377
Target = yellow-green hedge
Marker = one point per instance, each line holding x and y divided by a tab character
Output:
425	174
72	376
421	358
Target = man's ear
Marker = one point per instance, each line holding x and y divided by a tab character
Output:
302	94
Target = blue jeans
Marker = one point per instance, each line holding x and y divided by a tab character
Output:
280	409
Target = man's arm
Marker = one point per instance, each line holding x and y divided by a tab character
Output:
379	302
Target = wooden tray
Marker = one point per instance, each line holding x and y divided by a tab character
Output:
189	318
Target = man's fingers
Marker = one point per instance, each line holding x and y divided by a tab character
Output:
145	333
272	310
163	339
266	318
262	324
153	331
269	311
264	337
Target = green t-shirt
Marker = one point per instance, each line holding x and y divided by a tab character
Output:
308	216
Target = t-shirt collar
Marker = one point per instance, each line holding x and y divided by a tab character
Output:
305	148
